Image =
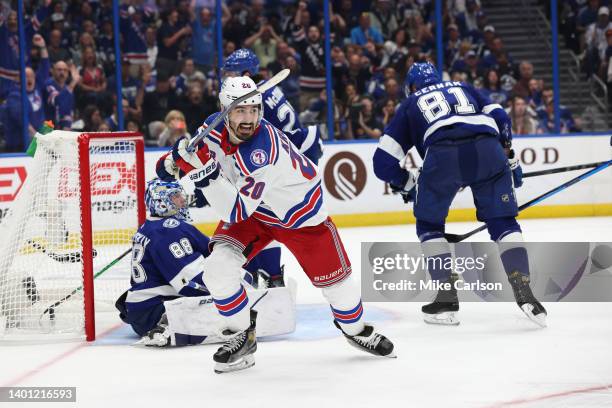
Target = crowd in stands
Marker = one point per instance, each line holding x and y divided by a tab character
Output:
587	29
168	64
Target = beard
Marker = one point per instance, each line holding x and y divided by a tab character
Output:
244	131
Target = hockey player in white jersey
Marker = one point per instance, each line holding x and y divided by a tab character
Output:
167	303
264	189
278	111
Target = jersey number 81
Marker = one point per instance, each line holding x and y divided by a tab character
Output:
434	104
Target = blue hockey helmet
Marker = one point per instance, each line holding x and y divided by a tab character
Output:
160	200
421	74
241	61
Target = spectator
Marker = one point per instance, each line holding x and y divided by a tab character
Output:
547	119
523	118
453	44
546	114
85	40
152	49
484	48
586	17
361	34
282	52
291	85
106	47
175	129
596	42
58	95
492	88
535	93
9	49
196	106
90	121
521	88
203	51
169	39
388	112
188	74
312	75
57	52
357	73
263	43
469	19
383	18
133	34
13	130
393	92
160	101
469	65
91	88
112	122
301	20
363	123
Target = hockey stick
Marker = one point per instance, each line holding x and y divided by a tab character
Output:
51	309
72	257
562	169
270	83
453	238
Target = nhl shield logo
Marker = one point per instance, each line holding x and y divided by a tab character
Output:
259	157
505	198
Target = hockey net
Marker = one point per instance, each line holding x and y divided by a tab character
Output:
80	205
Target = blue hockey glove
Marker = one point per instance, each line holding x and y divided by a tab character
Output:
408	190
408	196
517	171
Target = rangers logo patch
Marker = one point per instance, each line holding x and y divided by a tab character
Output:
259	157
171	223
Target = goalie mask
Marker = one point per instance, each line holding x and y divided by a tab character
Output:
166	199
241	121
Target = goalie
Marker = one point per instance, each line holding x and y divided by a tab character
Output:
168	304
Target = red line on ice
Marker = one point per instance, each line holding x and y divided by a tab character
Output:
550	396
36	370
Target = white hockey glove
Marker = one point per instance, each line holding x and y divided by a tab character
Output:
515	167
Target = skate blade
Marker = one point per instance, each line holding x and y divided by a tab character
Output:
241	364
444	318
539	319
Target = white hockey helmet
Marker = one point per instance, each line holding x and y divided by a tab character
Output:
235	87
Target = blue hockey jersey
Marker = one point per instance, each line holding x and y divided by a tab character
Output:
167	253
279	112
448	110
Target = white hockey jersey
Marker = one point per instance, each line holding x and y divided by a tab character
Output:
266	178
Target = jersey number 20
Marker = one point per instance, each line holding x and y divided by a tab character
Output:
434	104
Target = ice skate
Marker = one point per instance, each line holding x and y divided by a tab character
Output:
526	300
370	341
443	310
237	353
159	336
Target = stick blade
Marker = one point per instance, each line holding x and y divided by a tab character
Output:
275	80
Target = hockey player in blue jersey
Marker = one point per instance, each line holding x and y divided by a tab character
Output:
464	140
167	264
279	112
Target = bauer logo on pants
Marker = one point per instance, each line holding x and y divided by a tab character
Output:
345	175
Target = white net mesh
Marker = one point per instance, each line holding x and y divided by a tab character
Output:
41	250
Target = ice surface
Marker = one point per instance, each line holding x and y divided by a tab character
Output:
495	358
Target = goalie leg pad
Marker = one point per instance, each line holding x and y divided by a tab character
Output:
195	320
